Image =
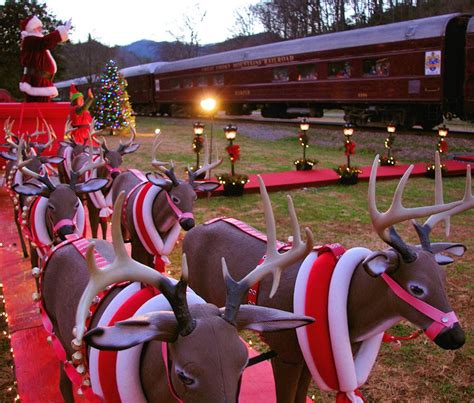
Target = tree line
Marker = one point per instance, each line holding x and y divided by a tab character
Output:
263	22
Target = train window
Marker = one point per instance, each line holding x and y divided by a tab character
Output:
307	72
280	74
218	79
376	67
202	81
174	84
157	84
187	83
339	70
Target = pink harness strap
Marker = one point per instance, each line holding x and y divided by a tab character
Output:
181	216
63	223
167	361
441	319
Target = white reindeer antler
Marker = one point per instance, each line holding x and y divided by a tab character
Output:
123	268
397	212
159	165
208	165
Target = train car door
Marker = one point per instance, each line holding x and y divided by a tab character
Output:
469	73
453	75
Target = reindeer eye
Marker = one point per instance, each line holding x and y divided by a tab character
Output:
417	291
175	199
51	207
185	379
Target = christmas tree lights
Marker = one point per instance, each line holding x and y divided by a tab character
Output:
112	109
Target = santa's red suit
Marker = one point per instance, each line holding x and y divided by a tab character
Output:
38	64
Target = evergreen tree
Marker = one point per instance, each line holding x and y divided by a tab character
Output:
113	109
11	13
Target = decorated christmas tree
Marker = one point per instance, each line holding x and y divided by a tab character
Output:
113	109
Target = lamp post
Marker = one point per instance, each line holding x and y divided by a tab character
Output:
230	132
209	106
349	144
304	127
198	128
442	145
391	129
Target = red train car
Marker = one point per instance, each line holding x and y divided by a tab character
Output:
411	72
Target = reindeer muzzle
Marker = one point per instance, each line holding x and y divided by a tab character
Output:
63	228
186	220
451	339
114	172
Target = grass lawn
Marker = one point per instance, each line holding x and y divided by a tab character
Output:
419	370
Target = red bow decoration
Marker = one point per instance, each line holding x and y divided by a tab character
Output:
234	152
197	144
350	147
442	146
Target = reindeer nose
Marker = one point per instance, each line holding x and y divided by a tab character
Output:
65	230
451	339
187	224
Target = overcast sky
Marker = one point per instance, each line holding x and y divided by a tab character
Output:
122	22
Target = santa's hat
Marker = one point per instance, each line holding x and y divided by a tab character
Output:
74	93
30	23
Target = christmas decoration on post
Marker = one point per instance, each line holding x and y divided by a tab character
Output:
113	110
389	159
233	184
441	147
198	141
348	175
304	164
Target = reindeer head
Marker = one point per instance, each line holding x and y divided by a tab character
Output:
63	200
180	195
207	354
113	158
413	272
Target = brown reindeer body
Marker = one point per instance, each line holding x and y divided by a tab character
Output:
206	352
372	306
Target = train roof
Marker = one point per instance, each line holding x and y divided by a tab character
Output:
141	69
470	25
400	31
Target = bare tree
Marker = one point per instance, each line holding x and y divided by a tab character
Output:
187	41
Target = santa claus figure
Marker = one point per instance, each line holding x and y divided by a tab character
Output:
79	115
38	65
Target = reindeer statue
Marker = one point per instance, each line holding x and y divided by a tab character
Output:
98	204
366	294
156	207
57	212
36	163
205	356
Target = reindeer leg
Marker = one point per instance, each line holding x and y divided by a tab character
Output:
303	384
103	226
287	375
140	254
65	386
93	217
20	235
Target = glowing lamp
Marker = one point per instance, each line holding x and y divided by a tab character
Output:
443	131
304	125
348	130
208	104
157	131
230	132
391	128
198	128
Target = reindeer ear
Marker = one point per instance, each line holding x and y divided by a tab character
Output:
263	319
130	149
30	189
160	326
51	160
8	156
166	184
92	185
206	186
380	262
440	248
